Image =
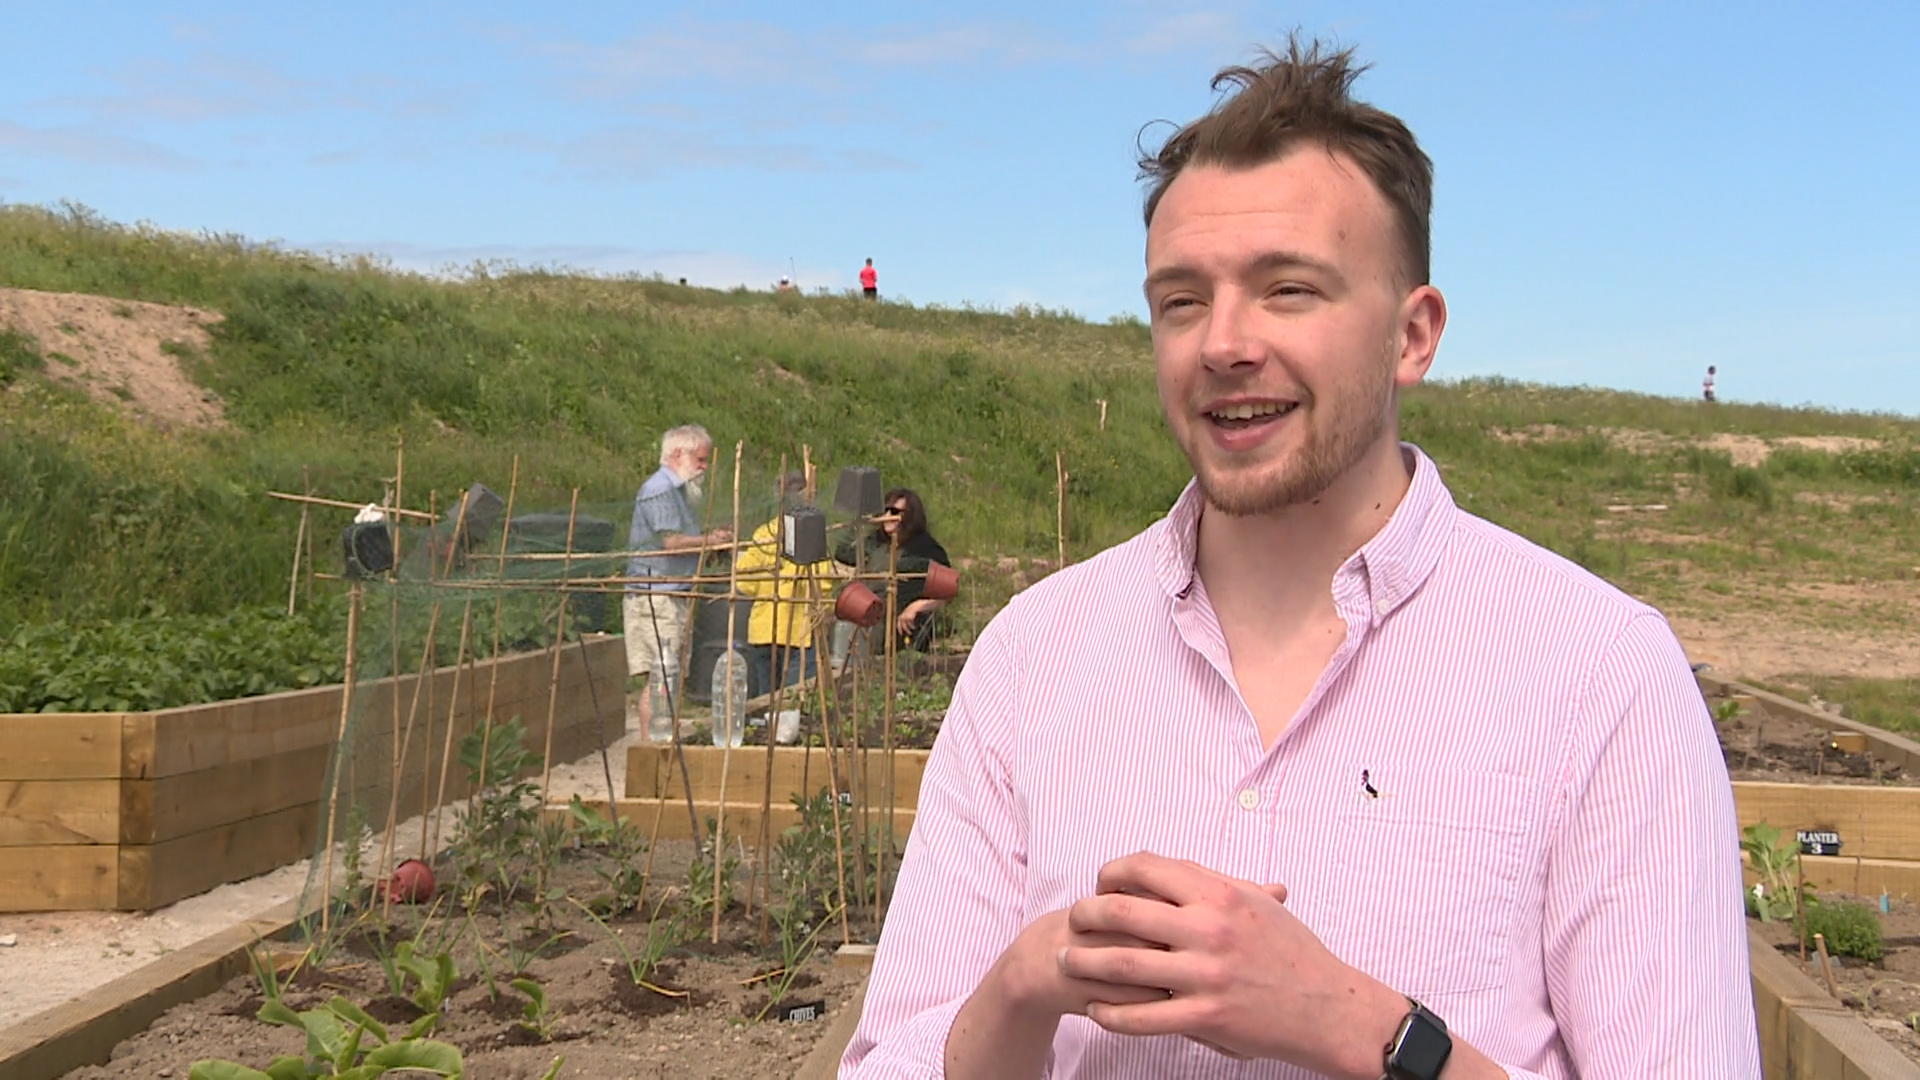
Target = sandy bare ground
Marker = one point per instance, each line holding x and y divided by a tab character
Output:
112	349
1746	450
1754	647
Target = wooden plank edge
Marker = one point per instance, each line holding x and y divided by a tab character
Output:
84	1031
1802	1026
1892	748
823	1062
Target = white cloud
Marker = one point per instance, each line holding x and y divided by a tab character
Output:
91	147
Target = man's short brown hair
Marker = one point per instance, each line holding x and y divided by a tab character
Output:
1303	96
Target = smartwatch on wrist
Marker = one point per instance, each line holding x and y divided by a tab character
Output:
1419	1049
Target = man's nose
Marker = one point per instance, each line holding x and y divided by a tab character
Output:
1230	343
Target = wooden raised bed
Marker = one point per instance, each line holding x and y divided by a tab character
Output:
133	811
655	792
1879	825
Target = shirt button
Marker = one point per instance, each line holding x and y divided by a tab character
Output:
1249	799
1382	607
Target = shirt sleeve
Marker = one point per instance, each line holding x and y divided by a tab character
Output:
961	896
1645	928
755	563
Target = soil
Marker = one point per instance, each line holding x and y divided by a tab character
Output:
707	1025
124	353
1885	993
1763	746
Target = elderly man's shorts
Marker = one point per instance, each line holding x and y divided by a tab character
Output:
654	627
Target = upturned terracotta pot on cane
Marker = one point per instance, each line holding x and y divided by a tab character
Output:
858	605
943	582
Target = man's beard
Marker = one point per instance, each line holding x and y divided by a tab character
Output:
1352	423
695	492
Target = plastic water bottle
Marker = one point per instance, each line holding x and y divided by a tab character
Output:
730	699
662	688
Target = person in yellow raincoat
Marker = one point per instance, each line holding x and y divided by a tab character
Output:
781	624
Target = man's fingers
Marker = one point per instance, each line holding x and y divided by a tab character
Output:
1166	1016
1142	918
1178	881
1154	968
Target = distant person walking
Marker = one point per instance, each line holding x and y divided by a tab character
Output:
870	281
1706	385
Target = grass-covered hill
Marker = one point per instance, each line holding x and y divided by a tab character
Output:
324	364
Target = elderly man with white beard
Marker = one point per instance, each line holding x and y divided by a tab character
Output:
664	521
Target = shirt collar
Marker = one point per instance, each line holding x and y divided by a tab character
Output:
673	479
1393	565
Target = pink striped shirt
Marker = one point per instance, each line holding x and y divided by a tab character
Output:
1549	859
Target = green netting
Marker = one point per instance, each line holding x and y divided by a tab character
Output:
498	612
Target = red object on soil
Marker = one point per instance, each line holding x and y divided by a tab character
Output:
411	883
858	605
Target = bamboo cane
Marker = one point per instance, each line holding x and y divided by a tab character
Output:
314	500
1060	496
726	749
340	754
299	541
833	779
560	636
429	798
493	672
762	864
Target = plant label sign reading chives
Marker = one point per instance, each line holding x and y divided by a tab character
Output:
803	1013
1819	842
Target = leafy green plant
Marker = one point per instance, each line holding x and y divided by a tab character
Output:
1725	711
338	1045
700	880
624	844
535	1018
1776	859
434	976
493	835
1850	927
161	661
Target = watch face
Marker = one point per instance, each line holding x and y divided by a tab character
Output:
1423	1050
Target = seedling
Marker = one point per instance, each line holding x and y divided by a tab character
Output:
662	934
535	1019
435	976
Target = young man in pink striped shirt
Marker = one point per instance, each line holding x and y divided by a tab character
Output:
1320	775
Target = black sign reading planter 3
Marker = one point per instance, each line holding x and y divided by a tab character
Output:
1819	842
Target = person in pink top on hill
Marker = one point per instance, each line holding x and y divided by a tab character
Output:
1319	775
870	281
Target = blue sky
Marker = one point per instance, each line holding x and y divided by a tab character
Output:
1626	192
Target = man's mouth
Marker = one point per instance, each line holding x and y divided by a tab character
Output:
1248	413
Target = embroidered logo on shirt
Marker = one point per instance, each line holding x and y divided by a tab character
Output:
1366	785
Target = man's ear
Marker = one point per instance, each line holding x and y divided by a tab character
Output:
1423	317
